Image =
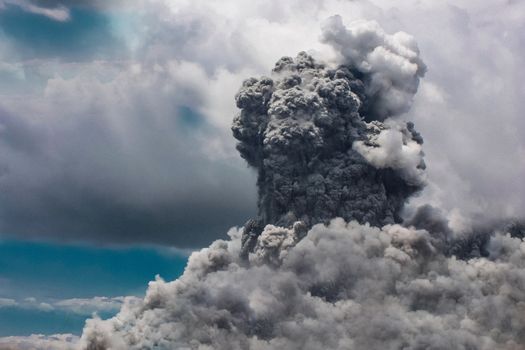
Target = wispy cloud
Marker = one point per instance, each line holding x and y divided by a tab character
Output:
39	341
59	13
6	302
81	306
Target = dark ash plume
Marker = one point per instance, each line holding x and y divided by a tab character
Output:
318	136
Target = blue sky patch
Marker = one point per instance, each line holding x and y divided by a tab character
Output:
188	118
19	321
48	273
87	35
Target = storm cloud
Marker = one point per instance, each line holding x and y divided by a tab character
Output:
112	172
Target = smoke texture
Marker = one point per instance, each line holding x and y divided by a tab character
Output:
318	138
343	286
327	264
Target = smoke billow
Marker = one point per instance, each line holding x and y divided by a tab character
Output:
343	286
328	263
317	135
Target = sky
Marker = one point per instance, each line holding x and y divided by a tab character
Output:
116	154
52	288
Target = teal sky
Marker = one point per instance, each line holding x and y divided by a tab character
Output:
88	35
50	273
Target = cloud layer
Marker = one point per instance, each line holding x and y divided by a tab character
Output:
124	118
119	172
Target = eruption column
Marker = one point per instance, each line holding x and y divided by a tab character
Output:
323	139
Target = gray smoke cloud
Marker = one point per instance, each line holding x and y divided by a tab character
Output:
318	138
388	65
326	264
343	286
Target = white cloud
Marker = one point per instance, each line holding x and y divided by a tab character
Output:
88	306
59	13
81	306
40	342
6	302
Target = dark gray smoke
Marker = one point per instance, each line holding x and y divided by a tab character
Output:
317	136
469	244
325	145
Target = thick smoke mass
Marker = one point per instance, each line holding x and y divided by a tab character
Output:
328	264
316	134
343	286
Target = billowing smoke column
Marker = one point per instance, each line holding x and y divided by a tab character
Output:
325	145
317	138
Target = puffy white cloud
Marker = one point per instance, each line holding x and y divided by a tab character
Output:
88	306
395	148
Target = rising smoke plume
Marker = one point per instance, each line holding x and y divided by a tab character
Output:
317	138
327	265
